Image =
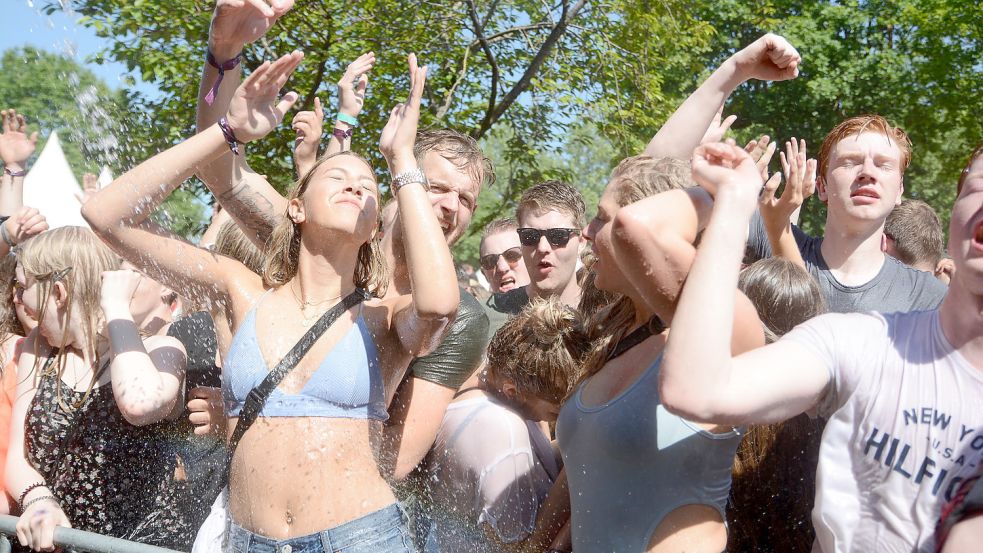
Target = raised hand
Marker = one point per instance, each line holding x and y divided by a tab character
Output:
117	291
399	134
800	183
717	129
352	86
16	146
236	23
90	185
727	170
254	110
761	152
770	58
27	222
309	126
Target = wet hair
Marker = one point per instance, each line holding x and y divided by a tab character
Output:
77	258
553	195
773	485
497	226
917	233
232	242
969	163
283	246
539	349
460	149
860	124
637	177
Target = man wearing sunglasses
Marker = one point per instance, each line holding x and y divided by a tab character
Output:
502	264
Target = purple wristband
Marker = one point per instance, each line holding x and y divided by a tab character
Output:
230	136
341	135
222	68
15	174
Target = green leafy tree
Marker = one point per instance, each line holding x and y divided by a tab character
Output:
56	93
914	61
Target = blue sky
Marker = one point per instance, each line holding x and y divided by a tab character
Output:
25	24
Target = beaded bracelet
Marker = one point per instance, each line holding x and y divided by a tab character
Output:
36	485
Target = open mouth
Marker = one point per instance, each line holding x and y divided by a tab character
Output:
507	284
865	192
978	235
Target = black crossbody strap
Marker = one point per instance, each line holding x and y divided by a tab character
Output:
257	397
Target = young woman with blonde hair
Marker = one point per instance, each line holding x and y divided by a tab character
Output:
94	401
306	474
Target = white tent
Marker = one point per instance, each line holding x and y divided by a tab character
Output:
51	187
105	177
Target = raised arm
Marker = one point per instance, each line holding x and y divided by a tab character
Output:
309	126
249	198
700	380
16	147
433	280
770	58
119	212
147	376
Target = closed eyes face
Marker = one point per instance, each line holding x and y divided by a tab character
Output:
864	177
341	184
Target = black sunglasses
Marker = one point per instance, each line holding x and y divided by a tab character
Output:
557	237
511	255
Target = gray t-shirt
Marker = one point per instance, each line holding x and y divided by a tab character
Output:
896	288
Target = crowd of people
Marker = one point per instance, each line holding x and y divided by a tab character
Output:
686	371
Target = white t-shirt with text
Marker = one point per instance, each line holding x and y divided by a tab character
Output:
905	428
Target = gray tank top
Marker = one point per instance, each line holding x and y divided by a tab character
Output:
630	462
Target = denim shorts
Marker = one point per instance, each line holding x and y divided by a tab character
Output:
383	531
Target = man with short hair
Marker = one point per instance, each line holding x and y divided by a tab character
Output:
913	235
550	217
503	265
860	178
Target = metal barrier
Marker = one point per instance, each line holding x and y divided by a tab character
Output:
79	541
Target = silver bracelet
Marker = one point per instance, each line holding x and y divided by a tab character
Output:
39	499
410	177
5	235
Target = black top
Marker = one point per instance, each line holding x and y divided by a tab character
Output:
110	476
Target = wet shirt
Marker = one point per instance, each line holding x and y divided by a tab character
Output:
896	288
904	429
488	466
110	476
462	350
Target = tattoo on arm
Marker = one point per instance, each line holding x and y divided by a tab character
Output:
251	210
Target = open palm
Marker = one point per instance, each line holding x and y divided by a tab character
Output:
15	145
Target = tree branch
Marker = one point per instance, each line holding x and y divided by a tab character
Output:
493	94
534	66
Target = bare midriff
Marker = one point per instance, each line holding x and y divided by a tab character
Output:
294	476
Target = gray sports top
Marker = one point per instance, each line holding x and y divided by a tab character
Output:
630	462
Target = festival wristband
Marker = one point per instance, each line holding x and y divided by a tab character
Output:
124	336
345	118
15	174
222	68
230	136
343	135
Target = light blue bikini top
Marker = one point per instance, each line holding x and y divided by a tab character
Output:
347	384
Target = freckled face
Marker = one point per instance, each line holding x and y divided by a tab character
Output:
864	178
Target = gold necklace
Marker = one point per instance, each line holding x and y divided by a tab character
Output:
305	320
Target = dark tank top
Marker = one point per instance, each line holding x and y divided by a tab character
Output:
110	476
